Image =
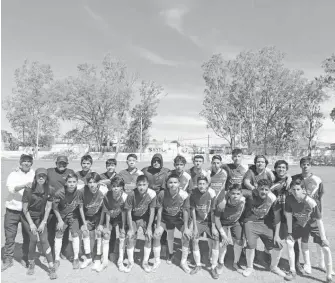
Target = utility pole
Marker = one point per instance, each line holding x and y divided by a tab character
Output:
38	129
141	141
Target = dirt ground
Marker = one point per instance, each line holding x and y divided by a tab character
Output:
166	273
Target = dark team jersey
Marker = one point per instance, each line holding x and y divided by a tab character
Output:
92	203
194	176
107	175
279	189
130	178
184	179
203	203
56	179
254	177
314	187
218	180
36	200
303	212
69	204
235	174
231	212
82	175
172	206
114	207
261	210
140	204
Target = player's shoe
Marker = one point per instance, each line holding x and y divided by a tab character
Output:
278	271
307	268
322	267
31	267
329	279
237	267
52	273
146	266
75	263
169	259
96	265
290	276
129	267
219	268
56	264
195	270
85	263
24	262
214	273
247	272
121	266
184	266
156	265
299	269
7	264
102	266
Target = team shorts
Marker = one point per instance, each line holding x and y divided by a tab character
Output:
311	229
171	223
255	230
235	229
205	228
69	222
283	231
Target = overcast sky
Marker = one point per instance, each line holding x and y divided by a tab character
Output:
166	41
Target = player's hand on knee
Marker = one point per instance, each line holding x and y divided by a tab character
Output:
130	234
122	233
224	240
215	231
289	238
60	225
278	242
148	233
105	231
158	232
33	228
41	227
325	242
187	233
100	228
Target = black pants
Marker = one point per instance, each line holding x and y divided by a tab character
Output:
11	222
51	226
33	240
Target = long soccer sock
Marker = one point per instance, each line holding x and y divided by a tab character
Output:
222	253
321	257
250	255
146	254
328	260
197	258
121	250
237	253
105	250
215	257
291	255
130	253
87	246
157	253
58	247
170	246
184	254
275	257
75	246
99	251
305	254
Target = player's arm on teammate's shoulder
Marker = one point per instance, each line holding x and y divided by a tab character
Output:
247	181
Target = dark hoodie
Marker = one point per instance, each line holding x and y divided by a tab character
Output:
157	176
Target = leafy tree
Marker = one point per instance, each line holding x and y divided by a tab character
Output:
143	113
30	103
9	140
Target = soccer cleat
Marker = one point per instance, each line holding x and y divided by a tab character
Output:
75	264
85	263
290	276
7	264
195	270
169	259
323	268
24	262
121	266
56	264
146	266
96	265
219	268
278	271
184	266
102	266
299	269
129	267
52	273
62	256
156	265
214	273
329	279
236	267
31	267
307	268
247	272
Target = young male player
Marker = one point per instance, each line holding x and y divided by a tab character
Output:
184	177
202	204
110	171
113	207
140	207
230	207
173	212
304	219
196	171
236	171
130	174
86	164
218	176
262	220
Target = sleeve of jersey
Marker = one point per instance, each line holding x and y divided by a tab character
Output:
80	197
129	204
186	204
26	196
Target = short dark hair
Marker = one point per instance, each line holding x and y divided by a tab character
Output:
280	162
116	181
261	156
264	182
297	182
236	151
86	158
198	156
111	161
93	175
179	158
132	155
235	187
173	175
306	159
71	175
202	178
142	178
216	157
